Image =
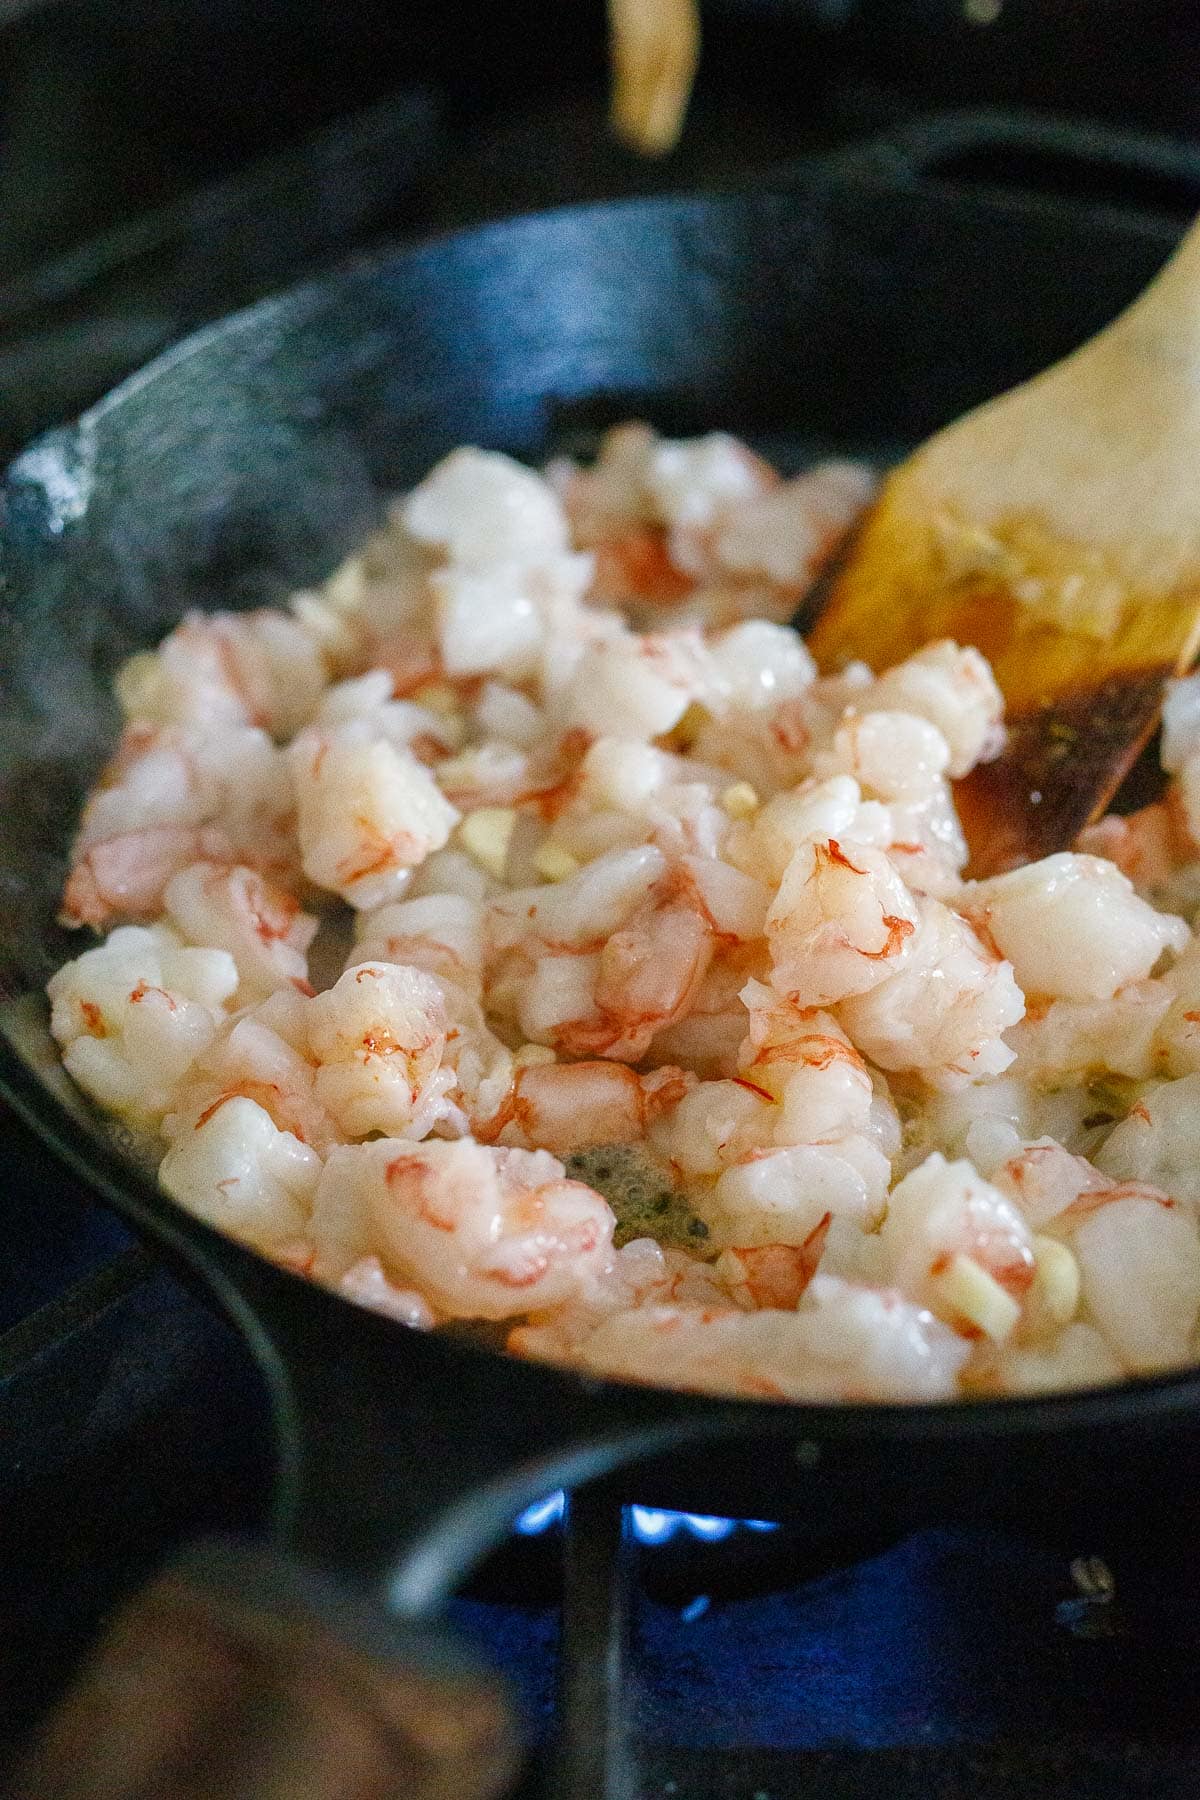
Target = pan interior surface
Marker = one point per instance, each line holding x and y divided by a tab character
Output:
827	313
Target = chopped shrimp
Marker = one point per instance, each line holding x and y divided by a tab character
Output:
366	1284
623	879
125	877
441	933
944	1010
1157	1142
779	1196
943	1215
367	814
262	1055
845	1343
260	925
484	1233
238	1171
605	959
171	797
480	508
774	1274
1046	1181
1145	845
789	531
841	922
954	689
567	1106
378	1035
1128	1034
133	1016
636	687
226	669
1139	1262
1073	927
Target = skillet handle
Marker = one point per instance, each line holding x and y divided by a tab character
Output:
405	1456
1028	153
240	1675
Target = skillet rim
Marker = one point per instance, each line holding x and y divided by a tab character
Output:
228	1270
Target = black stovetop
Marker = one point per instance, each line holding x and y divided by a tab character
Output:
953	1664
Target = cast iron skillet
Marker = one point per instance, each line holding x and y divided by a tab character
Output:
853	306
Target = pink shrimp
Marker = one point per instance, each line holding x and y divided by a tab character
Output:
483	1233
1148	845
775	1274
565	1106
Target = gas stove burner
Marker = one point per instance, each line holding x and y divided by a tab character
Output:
648	1524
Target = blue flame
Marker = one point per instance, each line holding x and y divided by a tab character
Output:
650	1524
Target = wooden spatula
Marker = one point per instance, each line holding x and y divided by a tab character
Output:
1056	528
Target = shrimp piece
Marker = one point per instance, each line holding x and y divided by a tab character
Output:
610	496
1158	1141
636	687
479	508
483	1233
900	760
1139	1263
367	814
771	749
788	532
953	687
123	878
841	923
1147	846
171	797
367	698
945	1228
1046	1181
759	665
646	978
259	924
612	1002
1078	1357
844	1343
239	1172
570	1106
486	774
142	823
810	812
788	1045
694	482
780	1196
1073	927
578	914
133	1015
634	571
709	1037
366	1284
261	1055
603	960
1069	1039
1180	722
440	933
495	619
226	669
942	1013
773	1274
378	1036
641	1273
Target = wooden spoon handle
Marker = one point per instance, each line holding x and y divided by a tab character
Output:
238	1675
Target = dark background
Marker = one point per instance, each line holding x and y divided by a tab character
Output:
149	148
